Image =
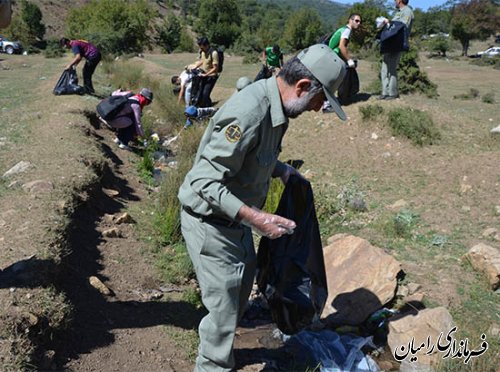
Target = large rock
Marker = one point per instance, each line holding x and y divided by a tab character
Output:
487	260
20	167
411	331
361	278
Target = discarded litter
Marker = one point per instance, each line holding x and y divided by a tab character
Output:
335	353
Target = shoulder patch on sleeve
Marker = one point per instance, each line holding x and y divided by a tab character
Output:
233	133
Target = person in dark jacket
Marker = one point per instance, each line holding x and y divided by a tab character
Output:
390	60
127	121
83	49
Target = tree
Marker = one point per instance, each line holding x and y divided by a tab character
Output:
474	19
219	20
27	26
435	20
115	26
439	44
302	28
32	16
369	11
169	33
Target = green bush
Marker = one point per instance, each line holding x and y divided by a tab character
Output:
415	125
411	79
115	26
53	49
439	45
471	94
169	34
186	42
489	98
401	225
370	112
404	222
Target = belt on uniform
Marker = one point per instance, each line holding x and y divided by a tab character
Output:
221	221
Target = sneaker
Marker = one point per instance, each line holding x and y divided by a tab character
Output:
124	147
117	141
328	110
381	97
495	130
102	120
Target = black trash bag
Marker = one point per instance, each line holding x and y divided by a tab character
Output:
68	83
394	37
197	84
264	73
349	86
291	270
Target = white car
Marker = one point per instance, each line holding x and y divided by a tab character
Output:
10	47
490	52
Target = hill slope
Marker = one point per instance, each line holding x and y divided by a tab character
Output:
329	11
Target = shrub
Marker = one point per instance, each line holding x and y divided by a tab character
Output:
415	125
404	223
169	34
370	112
53	49
411	79
489	98
471	94
186	42
439	45
115	26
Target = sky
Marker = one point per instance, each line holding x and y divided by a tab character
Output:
422	4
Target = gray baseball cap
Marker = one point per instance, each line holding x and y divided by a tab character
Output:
328	68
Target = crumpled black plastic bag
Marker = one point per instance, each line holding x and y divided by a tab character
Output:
349	87
291	269
68	83
394	37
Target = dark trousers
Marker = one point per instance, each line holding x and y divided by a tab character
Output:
207	86
125	135
88	71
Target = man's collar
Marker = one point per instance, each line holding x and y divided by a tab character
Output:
277	115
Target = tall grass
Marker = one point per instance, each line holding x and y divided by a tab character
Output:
164	115
168	216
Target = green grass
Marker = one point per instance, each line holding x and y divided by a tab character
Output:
174	264
185	340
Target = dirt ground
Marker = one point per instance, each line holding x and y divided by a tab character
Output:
454	187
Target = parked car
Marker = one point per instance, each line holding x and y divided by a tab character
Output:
10	47
490	52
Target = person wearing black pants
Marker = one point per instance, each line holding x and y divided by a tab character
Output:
83	49
209	63
207	87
